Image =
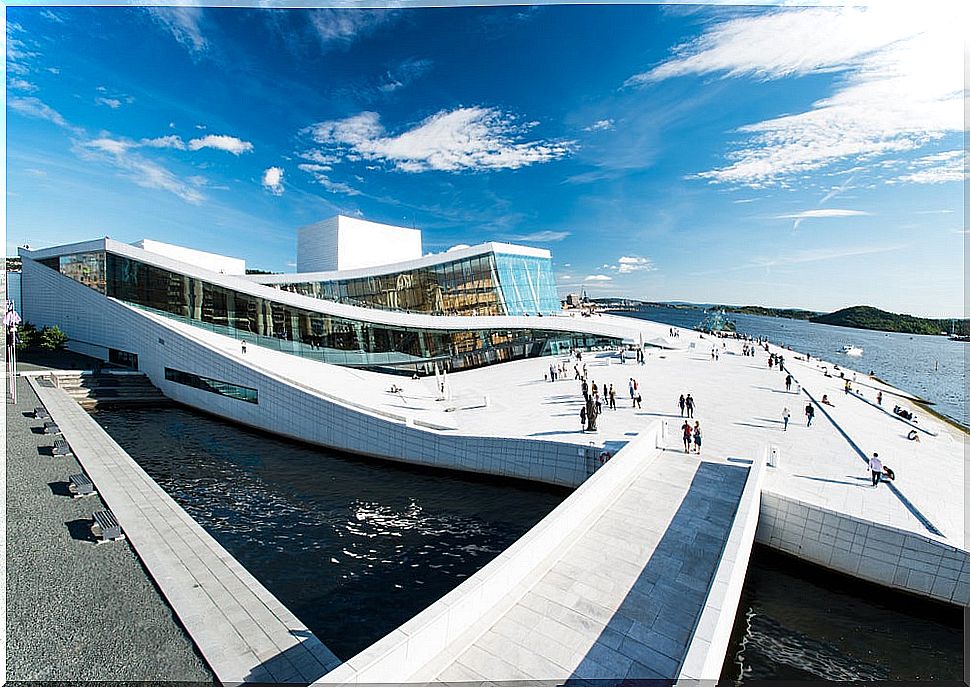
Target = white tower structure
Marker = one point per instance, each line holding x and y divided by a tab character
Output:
347	243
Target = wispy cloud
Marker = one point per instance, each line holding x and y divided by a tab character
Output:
36	108
468	138
938	168
342	26
601	125
597	277
319	174
541	236
18	84
184	23
403	74
799	257
824	212
273	180
144	172
900	86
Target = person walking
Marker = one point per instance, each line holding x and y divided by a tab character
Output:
809	414
879	398
682	403
631	389
875	466
585	391
612	398
637	400
582	417
788	383
785	415
689	403
687	431
697	438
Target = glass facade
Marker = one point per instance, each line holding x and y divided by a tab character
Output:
487	284
242	393
87	268
320	336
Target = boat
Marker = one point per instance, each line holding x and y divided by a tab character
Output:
960	337
849	349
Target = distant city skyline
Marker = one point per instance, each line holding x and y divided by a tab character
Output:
806	157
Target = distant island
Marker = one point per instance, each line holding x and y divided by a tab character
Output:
856	317
867	317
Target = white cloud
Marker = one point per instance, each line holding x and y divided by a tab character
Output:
273	180
184	23
824	212
900	84
164	142
601	125
598	277
113	103
468	138
230	144
628	263
542	236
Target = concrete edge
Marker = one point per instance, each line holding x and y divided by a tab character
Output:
398	655
712	634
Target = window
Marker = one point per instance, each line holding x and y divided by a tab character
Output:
214	386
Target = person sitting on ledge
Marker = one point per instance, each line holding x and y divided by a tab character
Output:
913	435
395	389
825	400
888	473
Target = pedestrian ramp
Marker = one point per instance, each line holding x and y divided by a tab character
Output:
636	575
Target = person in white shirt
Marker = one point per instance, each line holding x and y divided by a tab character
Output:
875	466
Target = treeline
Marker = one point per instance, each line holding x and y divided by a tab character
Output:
867	317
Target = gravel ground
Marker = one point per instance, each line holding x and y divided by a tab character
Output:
77	610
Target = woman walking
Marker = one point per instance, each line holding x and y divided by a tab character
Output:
697	438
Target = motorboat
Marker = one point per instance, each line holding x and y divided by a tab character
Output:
849	349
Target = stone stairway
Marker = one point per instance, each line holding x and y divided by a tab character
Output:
97	390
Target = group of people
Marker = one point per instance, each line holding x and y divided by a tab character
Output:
748	350
775	359
903	413
692	436
686	405
674	333
558	371
635	398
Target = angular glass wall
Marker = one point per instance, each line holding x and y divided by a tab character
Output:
461	287
528	284
317	335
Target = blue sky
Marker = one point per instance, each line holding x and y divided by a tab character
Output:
808	157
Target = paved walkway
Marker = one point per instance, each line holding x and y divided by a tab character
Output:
76	612
622	596
244	633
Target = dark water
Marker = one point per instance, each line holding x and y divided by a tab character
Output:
356	547
353	547
931	367
797	621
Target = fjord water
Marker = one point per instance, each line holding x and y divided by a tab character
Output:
355	547
931	367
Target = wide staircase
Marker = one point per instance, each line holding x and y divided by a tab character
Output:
99	389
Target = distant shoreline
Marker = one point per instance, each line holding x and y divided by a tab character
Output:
856	317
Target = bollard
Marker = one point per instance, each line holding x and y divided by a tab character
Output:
773	457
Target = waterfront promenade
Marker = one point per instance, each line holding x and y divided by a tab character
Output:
244	633
76	611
